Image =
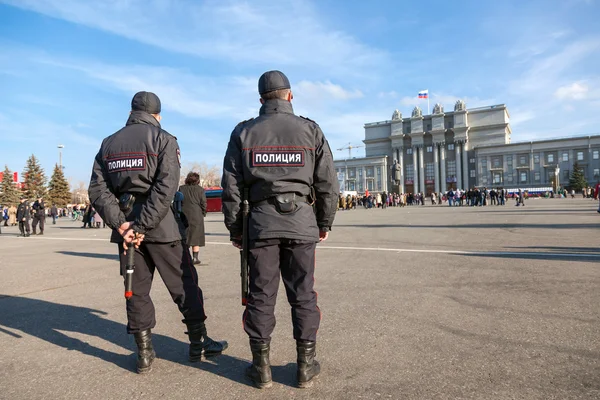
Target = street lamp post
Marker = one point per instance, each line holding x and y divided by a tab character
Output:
60	147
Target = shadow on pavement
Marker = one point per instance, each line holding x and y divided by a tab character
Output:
90	255
481	225
45	320
593	258
562	249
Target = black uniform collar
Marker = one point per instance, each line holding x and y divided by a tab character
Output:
141	117
276	106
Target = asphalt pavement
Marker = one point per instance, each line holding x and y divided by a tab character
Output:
423	302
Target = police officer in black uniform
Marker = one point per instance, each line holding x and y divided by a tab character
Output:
39	215
134	181
23	215
285	164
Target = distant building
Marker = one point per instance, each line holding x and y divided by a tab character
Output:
462	149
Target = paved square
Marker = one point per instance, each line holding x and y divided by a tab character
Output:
418	303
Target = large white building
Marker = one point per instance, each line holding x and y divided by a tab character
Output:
461	149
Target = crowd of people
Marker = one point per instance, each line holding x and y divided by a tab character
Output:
31	216
454	197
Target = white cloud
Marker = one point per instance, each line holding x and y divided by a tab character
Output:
325	89
545	72
574	91
287	32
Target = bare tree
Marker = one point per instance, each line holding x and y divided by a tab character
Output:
79	193
209	175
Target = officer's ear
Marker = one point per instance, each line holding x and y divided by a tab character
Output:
290	96
158	117
262	101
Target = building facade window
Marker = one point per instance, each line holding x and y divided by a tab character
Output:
361	186
580	156
410	173
429	149
472	173
429	172
523	160
536	176
496	162
523	177
595	154
565	157
509	168
370	185
536	158
550	158
596	172
451	146
472	161
451	169
360	172
409	150
497	177
351	173
351	185
370	172
566	174
379	179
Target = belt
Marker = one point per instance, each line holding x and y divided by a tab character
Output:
272	201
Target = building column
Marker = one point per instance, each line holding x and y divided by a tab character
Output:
384	176
415	170
436	166
364	178
458	168
421	169
443	167
401	161
465	166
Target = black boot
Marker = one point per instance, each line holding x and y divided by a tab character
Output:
196	259
146	354
308	367
201	345
260	370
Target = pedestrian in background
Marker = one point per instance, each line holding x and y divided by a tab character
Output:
194	209
53	213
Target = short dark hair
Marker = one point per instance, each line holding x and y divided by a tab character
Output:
192	178
275	94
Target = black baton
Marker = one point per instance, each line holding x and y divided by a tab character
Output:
244	252
129	273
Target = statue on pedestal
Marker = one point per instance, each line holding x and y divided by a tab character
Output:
416	112
460	106
397	115
396	172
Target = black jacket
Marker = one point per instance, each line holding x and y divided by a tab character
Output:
39	209
275	153
141	159
23	211
194	209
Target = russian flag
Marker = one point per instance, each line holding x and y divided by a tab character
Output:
424	94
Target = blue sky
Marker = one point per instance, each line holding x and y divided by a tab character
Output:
68	68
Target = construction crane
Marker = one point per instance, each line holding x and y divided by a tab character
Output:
349	148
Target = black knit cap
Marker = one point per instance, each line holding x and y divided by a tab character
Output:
272	80
147	102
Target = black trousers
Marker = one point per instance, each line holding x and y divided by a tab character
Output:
41	221
295	261
24	226
174	264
